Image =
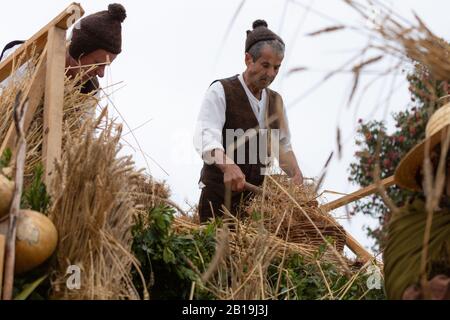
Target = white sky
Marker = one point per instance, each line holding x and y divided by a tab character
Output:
173	50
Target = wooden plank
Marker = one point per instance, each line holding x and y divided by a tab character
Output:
53	100
358	194
63	21
34	93
2	260
358	249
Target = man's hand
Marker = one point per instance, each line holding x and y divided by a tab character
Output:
297	179
233	176
289	164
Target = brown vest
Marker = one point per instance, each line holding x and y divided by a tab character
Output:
239	115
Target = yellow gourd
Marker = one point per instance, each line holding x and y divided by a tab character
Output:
36	239
6	194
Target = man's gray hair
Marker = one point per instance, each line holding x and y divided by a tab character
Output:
276	45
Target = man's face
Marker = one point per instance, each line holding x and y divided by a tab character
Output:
100	58
263	71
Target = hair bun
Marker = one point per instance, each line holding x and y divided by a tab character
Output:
259	23
117	11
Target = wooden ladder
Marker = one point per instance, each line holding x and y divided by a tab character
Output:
48	82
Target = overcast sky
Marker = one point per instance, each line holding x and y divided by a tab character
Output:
173	50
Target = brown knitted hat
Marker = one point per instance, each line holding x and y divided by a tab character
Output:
260	32
101	30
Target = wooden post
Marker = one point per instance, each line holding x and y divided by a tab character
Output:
54	99
2	260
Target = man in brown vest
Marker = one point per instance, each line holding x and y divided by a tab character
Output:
242	126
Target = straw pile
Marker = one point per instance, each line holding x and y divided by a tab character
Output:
303	222
93	212
251	231
282	226
247	254
93	193
77	108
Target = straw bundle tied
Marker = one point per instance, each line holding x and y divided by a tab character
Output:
93	211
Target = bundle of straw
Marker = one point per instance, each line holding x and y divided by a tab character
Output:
303	222
93	212
244	252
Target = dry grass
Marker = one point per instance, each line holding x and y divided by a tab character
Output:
93	212
246	249
308	224
244	253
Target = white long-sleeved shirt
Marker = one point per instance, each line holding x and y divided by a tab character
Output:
211	119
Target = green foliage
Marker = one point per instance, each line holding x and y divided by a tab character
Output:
5	159
34	284
171	260
309	283
409	130
35	197
30	288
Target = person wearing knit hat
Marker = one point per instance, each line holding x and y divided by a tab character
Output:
240	104
96	40
260	32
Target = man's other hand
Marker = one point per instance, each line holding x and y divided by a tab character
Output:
297	179
233	176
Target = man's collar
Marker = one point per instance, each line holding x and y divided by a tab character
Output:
247	90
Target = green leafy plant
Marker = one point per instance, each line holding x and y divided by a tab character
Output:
35	197
29	288
34	285
311	281
5	159
170	260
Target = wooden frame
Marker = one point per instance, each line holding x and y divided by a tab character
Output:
47	81
53	99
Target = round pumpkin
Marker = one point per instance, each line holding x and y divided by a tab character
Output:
6	195
36	239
